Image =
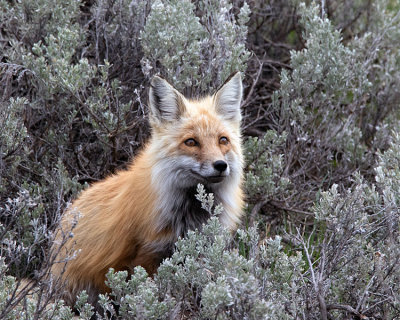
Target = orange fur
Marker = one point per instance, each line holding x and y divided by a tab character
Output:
127	219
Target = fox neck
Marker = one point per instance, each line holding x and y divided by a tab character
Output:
184	211
177	206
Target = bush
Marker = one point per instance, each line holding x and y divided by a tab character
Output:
208	277
320	238
197	52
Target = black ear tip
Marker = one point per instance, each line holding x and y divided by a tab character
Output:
237	75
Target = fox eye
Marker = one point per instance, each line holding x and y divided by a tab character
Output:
191	142
223	140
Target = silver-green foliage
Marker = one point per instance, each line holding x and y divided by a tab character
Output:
357	238
20	20
53	64
12	138
195	51
346	266
207	277
264	177
325	76
335	100
72	100
16	303
137	298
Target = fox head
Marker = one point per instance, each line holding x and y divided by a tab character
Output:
196	141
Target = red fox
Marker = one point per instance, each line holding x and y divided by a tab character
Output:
135	216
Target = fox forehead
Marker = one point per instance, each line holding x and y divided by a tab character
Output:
204	126
200	121
200	107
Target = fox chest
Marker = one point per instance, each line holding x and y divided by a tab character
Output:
186	213
181	212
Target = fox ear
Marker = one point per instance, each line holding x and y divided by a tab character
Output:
166	103
228	98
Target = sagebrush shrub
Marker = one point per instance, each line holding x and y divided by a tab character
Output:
207	277
195	52
322	171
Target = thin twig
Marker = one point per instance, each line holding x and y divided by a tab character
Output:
255	81
346	308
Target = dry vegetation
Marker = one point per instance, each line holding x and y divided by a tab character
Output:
320	239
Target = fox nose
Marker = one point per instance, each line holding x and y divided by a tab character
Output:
220	165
